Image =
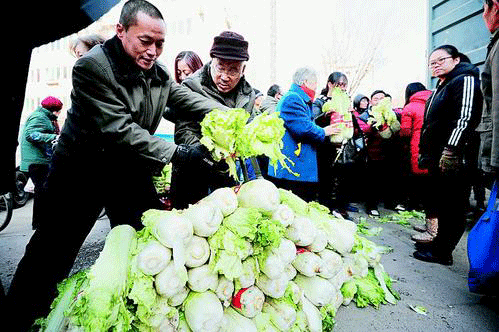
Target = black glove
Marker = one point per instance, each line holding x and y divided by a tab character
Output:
449	162
194	156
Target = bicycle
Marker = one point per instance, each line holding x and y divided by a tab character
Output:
6	207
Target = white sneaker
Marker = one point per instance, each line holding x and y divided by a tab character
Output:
374	213
400	207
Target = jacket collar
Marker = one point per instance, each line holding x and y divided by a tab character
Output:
48	113
124	69
206	80
297	89
462	68
493	40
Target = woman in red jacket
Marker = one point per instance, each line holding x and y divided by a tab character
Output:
416	96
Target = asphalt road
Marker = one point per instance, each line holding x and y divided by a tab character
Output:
442	290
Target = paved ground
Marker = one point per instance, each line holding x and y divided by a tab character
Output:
440	289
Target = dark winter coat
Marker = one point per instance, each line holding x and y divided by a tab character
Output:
452	112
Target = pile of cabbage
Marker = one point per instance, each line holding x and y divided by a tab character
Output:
250	258
228	136
341	117
384	118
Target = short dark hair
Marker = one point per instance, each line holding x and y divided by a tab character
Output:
273	90
489	2
378	91
128	16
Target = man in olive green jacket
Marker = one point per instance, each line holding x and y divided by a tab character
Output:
106	153
222	79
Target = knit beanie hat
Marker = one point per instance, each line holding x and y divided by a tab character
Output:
53	104
230	46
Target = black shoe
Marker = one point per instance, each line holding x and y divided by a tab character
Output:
429	256
423	246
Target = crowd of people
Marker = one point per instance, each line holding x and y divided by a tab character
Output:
422	159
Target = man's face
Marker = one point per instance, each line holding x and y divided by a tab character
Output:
377	98
491	16
144	40
226	73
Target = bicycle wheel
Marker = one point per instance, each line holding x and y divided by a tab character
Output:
5	210
20	197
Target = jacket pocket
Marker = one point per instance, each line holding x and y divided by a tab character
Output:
485	125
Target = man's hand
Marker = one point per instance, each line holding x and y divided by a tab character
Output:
449	162
195	155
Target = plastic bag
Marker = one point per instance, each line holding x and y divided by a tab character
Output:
483	251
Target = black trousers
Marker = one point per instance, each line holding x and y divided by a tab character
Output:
448	197
189	184
38	174
308	191
77	190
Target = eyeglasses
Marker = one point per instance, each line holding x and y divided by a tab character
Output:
341	84
438	61
232	72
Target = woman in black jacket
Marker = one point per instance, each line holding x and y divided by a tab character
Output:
452	113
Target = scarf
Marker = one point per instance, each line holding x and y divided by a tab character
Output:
308	91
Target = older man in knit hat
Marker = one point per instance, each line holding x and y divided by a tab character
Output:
222	79
40	130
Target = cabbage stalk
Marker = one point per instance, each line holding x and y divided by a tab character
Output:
273	287
284	214
203	312
301	231
248	301
331	263
314	317
202	278
197	252
282	313
316	289
259	193
179	297
286	251
308	263
205	217
170	281
272	266
159	317
235	322
264	323
225	198
153	258
224	290
101	305
172	230
293	201
249	272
